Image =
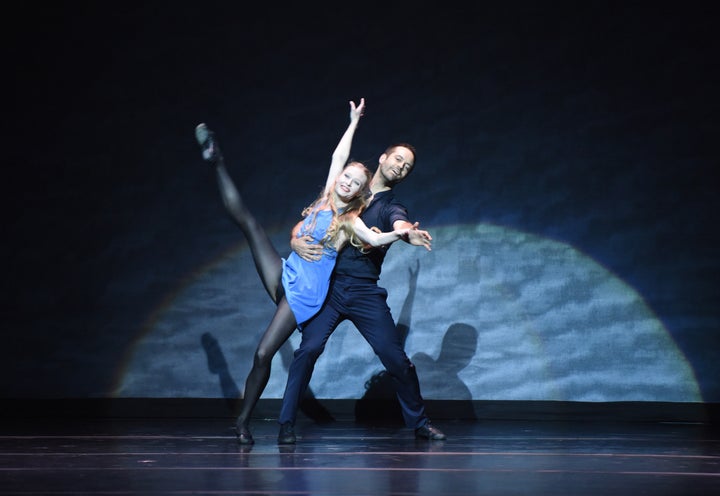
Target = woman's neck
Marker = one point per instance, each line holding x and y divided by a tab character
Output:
338	202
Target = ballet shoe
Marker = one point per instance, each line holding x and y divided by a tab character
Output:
243	435
208	144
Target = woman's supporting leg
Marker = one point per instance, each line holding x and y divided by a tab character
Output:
281	327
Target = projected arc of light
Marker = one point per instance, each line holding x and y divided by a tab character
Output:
551	323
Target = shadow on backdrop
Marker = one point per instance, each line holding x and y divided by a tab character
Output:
459	345
379	404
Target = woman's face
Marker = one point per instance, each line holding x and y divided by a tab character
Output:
350	182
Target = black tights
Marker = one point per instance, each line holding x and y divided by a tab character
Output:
269	267
281	327
267	260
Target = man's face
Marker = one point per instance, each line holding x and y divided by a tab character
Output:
397	164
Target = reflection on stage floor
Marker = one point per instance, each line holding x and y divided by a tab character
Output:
168	456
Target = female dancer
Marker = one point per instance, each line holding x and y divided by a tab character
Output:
297	286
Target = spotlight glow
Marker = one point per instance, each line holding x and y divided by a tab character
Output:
549	324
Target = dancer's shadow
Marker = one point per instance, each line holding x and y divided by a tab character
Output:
459	346
217	365
379	405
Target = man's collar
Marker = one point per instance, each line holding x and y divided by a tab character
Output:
379	194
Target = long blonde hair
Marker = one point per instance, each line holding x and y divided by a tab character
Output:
342	220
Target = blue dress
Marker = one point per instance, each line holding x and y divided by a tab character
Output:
306	283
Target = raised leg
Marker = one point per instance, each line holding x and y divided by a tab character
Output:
268	262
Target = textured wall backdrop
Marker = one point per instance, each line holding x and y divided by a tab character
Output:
566	170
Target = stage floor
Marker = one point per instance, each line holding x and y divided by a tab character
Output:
178	456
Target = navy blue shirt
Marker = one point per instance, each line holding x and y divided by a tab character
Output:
382	213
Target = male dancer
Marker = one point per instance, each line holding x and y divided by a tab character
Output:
356	296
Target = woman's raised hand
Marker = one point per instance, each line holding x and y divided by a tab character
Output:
357	111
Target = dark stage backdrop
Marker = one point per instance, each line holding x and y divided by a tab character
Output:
566	169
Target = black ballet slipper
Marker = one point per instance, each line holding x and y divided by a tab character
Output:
208	144
243	434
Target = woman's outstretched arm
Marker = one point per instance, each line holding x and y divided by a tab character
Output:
374	238
342	151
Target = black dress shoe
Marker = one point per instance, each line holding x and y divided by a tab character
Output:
429	431
287	434
243	435
207	142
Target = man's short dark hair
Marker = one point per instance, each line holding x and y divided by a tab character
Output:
404	145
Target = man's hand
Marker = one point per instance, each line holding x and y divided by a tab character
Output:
306	249
416	236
